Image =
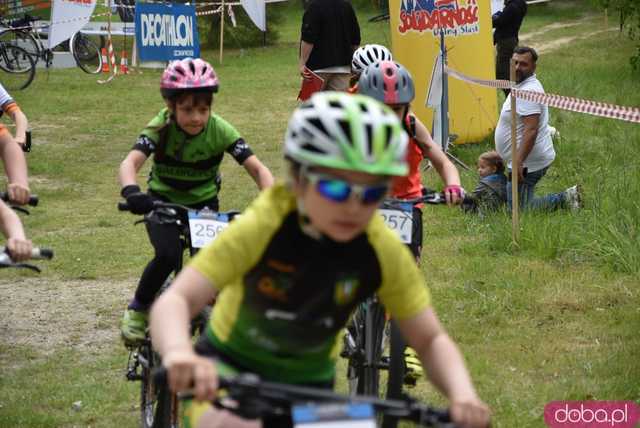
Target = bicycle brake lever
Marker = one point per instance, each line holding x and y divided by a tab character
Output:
20	209
27	266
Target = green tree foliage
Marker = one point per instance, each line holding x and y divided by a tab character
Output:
245	33
629	21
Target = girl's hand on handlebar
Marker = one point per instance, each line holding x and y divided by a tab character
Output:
470	413
19	249
18	193
186	370
454	194
138	201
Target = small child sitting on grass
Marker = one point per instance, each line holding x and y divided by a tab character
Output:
490	193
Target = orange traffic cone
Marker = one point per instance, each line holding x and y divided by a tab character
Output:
105	62
124	63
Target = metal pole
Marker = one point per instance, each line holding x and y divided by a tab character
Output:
221	30
444	111
515	163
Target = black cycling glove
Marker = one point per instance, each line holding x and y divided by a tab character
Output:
139	202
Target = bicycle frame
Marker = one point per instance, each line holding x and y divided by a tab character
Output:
159	407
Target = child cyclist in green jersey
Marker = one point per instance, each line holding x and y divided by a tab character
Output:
187	141
291	270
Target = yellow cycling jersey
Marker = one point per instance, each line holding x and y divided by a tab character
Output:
285	296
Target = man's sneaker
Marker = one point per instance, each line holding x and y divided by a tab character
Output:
133	326
413	367
555	134
573	197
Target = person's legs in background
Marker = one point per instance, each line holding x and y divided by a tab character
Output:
528	201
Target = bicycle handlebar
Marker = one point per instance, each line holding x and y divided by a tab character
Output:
36	254
432	198
278	397
33	199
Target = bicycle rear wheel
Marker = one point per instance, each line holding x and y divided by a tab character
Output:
86	53
23	39
18	67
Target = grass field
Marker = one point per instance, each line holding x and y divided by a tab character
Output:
555	319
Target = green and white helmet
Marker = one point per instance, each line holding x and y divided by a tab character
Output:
351	132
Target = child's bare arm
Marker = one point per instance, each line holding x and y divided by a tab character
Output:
445	367
258	171
130	166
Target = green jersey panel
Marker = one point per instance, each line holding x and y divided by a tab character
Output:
185	168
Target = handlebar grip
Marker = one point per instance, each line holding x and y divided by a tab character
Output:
123	206
42	253
33	199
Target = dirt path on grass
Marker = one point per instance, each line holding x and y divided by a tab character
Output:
531	38
49	315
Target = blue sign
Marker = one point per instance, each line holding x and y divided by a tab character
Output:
166	32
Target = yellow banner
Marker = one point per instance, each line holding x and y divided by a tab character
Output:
415	37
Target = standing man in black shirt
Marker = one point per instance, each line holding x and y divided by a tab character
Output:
507	24
329	36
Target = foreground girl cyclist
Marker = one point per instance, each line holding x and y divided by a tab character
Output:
291	270
15	164
188	142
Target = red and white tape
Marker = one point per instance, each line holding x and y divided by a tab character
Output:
502	84
46	24
594	108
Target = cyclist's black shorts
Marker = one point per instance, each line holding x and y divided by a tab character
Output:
205	348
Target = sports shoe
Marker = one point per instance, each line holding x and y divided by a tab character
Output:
413	367
133	326
555	134
573	197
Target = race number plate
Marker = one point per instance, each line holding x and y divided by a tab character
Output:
333	415
400	222
205	226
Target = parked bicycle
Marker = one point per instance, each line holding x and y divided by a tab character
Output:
17	67
158	407
372	344
250	397
28	35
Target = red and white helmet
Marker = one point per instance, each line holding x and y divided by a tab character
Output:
187	75
387	82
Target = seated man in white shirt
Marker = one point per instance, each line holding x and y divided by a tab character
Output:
535	151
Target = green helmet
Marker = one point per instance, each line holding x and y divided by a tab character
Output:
351	132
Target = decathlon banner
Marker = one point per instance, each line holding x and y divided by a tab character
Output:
67	18
166	32
466	24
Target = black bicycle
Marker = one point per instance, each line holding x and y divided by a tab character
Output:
250	397
372	344
17	67
158	407
27	34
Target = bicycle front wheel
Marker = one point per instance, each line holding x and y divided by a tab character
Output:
86	53
153	401
18	67
364	367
